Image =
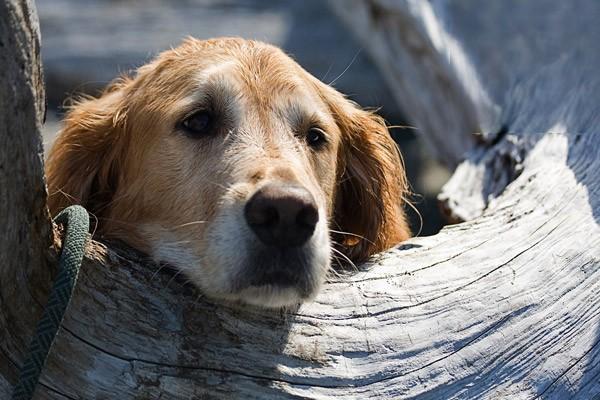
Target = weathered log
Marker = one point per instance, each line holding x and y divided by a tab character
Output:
26	229
502	306
406	42
520	69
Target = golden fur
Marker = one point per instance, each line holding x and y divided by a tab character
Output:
180	198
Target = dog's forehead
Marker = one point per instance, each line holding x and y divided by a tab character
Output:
263	78
259	73
241	76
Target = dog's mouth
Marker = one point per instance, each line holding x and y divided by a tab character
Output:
275	268
274	277
281	279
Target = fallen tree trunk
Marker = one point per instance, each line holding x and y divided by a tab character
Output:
26	236
501	306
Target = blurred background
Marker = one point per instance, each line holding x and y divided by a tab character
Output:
87	43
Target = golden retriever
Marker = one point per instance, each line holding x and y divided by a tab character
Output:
227	160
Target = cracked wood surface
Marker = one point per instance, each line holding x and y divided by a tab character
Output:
529	75
26	228
437	317
504	305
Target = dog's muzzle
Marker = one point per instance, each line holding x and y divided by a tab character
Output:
283	217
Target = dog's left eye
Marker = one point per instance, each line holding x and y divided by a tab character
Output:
198	124
315	137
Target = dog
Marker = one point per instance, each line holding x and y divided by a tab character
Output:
227	160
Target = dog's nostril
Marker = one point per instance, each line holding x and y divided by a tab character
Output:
271	217
262	214
309	216
282	215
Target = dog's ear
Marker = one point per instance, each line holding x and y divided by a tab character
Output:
83	164
369	202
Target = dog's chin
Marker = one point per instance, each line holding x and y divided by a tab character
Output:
271	296
284	280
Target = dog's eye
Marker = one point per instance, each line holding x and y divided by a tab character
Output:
315	137
197	124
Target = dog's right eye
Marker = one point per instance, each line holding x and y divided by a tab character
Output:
198	124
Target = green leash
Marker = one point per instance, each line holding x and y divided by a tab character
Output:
77	223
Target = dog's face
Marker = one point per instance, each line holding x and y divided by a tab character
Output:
227	160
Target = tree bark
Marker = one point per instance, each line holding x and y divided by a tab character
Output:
502	306
26	229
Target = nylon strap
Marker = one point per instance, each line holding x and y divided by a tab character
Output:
76	221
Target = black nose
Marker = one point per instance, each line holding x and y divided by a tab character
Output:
282	215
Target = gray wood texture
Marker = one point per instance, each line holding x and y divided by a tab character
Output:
26	235
529	185
504	305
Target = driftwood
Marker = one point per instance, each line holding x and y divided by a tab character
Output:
25	271
502	306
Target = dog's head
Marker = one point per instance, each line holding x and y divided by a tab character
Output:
227	160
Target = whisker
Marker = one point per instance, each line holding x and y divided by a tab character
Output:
160	268
67	195
189	223
96	223
402	127
351	234
179	271
120	257
346	258
187	281
333	272
327	72
347	68
418	215
336	262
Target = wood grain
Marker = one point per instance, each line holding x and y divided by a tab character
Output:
25	223
504	305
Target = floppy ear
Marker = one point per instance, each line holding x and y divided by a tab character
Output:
82	165
372	184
